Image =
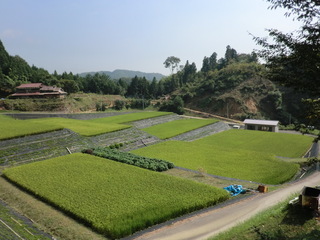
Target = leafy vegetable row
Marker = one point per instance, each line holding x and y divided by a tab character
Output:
132	159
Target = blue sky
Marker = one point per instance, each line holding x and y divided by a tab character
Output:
104	35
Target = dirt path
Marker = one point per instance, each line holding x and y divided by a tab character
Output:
211	223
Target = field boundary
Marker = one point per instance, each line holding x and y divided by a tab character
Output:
214	116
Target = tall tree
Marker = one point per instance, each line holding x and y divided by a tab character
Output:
205	65
172	62
213	61
293	59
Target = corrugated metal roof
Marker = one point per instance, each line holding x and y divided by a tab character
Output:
261	122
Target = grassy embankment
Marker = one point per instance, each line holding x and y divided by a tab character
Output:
241	154
12	128
280	222
12	227
113	198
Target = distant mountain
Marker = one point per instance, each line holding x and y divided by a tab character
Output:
120	73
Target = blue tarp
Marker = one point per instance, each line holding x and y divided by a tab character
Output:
234	189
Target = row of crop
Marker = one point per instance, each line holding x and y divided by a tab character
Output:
131	159
113	198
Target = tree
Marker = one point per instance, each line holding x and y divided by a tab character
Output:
175	105
205	65
231	55
70	86
294	58
171	62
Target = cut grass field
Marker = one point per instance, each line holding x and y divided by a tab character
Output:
174	128
11	128
241	154
113	198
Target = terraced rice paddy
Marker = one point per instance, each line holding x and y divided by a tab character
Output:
174	128
113	198
11	128
248	155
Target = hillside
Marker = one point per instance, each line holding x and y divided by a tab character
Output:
256	97
121	73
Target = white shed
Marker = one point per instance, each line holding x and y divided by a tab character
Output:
261	125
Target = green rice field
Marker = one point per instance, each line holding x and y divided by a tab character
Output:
174	128
11	128
241	154
113	198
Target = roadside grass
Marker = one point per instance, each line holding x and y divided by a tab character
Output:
11	128
174	128
235	154
279	222
113	198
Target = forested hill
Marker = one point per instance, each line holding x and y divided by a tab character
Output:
233	86
121	73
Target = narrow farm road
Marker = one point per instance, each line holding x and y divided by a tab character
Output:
211	223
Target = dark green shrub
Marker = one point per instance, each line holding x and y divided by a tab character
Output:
132	159
176	105
119	104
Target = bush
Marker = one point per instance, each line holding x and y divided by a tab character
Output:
100	107
119	104
140	103
176	105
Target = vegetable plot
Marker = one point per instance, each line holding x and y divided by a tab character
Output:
113	198
131	159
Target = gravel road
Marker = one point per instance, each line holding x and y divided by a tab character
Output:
219	219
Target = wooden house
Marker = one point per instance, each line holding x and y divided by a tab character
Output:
38	90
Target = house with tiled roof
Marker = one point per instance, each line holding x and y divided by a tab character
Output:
38	90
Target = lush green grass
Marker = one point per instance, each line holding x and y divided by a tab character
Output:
280	222
174	128
248	155
278	144
11	128
113	198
